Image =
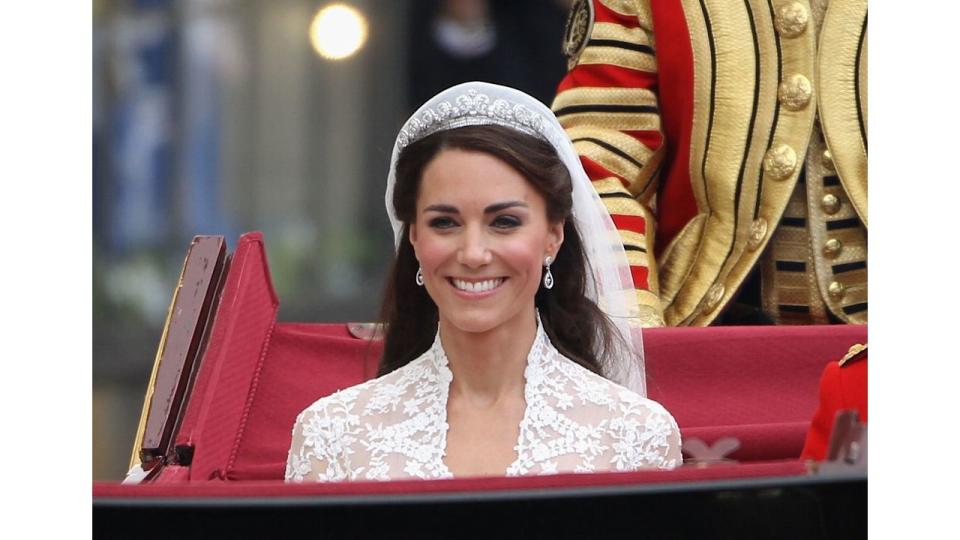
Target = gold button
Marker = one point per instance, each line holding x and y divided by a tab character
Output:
832	247
714	295
827	160
795	92
830	203
780	162
792	19
835	290
758	231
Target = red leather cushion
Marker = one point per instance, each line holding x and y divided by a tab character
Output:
303	363
758	384
275	488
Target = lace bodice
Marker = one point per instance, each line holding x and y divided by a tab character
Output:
395	427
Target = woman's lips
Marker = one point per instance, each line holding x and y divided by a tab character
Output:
476	289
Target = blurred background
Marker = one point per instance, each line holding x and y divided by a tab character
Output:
226	116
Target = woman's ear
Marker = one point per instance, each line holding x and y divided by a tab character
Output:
412	236
555	238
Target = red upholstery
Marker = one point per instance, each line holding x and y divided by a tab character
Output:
755	383
226	382
303	363
402	487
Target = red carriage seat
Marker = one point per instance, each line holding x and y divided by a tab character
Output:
253	374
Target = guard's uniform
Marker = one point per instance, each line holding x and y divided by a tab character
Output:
720	139
843	386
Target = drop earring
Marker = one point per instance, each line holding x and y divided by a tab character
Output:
419	277
547	275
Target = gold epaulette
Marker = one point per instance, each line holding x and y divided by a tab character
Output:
856	352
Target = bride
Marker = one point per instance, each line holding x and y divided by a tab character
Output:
509	348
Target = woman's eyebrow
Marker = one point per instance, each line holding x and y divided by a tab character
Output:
442	208
493	208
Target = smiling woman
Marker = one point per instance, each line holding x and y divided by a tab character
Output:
481	237
497	358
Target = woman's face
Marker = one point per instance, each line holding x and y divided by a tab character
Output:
481	234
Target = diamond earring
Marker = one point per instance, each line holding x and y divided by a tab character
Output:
547	275
419	277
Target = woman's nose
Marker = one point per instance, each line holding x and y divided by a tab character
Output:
473	251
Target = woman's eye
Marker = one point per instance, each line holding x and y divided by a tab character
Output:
506	222
442	223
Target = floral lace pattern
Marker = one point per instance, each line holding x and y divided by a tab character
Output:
395	427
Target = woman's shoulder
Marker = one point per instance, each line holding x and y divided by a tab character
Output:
354	399
593	388
636	431
340	399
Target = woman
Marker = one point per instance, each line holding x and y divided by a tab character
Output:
496	348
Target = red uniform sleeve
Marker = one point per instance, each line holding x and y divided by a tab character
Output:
607	103
840	388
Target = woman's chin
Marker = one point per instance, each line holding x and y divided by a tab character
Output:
480	320
474	323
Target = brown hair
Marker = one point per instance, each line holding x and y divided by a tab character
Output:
574	323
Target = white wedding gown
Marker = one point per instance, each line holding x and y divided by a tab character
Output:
395	427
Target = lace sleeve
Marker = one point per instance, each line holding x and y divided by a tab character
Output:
300	458
315	448
646	436
667	451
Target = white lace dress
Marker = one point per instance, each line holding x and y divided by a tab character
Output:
395	427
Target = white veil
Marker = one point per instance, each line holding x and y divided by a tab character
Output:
610	283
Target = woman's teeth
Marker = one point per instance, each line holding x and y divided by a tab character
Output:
478	286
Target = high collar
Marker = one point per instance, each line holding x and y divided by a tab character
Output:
440	361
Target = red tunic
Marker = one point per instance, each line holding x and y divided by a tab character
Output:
694	120
841	387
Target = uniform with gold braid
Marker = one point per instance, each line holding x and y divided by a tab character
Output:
723	137
843	386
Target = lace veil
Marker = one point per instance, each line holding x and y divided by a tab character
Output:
610	283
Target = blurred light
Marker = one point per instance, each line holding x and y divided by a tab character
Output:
338	31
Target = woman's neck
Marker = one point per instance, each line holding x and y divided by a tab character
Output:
488	367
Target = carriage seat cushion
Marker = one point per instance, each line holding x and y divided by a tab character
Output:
756	384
